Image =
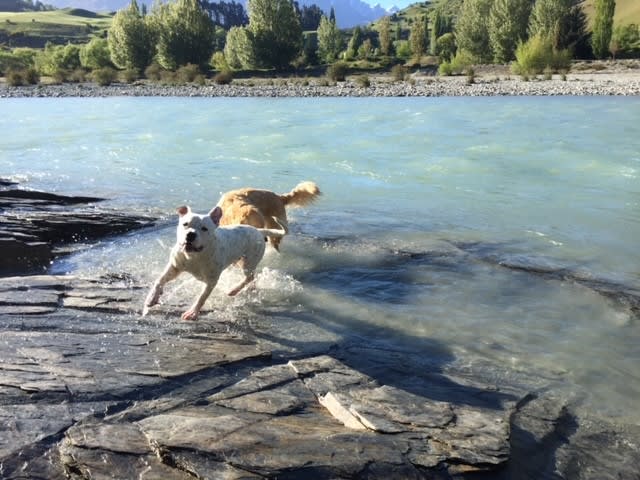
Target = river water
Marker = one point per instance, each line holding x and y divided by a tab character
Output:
481	224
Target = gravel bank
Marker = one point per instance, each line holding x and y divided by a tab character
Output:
419	85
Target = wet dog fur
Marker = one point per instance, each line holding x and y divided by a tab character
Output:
205	250
264	208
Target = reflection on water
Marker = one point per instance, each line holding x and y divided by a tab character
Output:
504	229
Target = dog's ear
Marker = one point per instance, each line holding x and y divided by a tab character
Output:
216	215
183	210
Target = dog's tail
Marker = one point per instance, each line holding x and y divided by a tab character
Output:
303	194
272	232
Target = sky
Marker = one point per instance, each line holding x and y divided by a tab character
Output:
391	3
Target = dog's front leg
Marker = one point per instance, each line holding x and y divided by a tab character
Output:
193	312
170	272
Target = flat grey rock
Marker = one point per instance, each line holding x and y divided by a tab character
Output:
89	389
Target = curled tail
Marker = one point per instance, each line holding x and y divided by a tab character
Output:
303	194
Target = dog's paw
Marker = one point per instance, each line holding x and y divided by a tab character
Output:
190	315
152	299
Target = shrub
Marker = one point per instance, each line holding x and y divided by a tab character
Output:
462	61
105	76
188	73
337	71
153	72
60	75
15	78
363	81
445	69
31	76
399	72
471	76
130	75
223	78
219	62
18	59
77	76
538	54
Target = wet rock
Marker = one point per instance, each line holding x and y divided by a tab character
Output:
34	228
94	392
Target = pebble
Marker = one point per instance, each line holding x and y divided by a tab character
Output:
419	86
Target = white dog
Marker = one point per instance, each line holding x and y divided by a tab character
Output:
204	250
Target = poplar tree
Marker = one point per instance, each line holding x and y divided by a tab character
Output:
472	32
185	34
602	27
330	41
508	22
130	39
384	35
418	39
563	21
277	34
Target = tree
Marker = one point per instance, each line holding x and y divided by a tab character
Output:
354	42
625	41
472	33
508	21
238	50
602	27
310	16
446	46
277	35
56	58
418	39
185	34
95	54
330	42
564	21
130	38
384	35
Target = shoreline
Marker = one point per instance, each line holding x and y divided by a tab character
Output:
418	85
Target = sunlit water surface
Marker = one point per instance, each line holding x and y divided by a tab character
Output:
424	202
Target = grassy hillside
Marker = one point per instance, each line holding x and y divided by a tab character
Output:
34	29
627	11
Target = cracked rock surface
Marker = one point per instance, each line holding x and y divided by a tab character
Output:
89	389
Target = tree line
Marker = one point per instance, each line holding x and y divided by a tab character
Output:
278	34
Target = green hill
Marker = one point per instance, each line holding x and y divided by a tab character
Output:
627	11
34	29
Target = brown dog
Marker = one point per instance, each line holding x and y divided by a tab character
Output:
258	208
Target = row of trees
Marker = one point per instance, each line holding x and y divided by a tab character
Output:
184	32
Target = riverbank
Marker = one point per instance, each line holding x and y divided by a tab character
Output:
91	389
613	78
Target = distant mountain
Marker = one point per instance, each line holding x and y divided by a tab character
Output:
349	13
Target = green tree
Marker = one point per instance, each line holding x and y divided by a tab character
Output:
95	54
330	41
185	34
276	31
602	27
354	42
131	41
384	35
508	22
55	58
472	33
238	49
418	39
625	41
563	21
446	46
